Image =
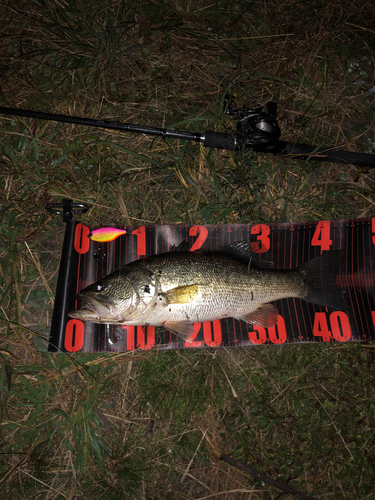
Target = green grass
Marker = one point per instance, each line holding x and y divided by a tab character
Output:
153	425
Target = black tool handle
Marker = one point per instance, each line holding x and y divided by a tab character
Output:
219	140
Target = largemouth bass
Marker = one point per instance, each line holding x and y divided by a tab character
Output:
177	289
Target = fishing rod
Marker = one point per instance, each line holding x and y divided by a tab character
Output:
256	130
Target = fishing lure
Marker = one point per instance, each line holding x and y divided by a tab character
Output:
104	234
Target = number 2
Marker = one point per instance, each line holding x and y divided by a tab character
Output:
202	233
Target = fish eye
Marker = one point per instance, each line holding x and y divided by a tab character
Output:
100	287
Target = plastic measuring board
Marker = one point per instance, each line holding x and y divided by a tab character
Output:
286	245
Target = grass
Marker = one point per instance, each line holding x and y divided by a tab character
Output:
153	425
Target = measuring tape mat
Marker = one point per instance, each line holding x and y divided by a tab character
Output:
284	245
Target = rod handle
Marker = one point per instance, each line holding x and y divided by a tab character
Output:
219	140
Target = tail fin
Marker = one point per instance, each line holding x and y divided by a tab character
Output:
320	275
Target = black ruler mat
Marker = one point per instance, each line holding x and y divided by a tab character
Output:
286	245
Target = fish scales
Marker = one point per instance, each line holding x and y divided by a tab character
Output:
227	287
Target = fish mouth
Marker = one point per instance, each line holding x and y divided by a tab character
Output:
93	309
89	299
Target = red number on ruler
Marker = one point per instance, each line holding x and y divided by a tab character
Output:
373	229
130	337
320	327
142	343
81	239
140	232
202	232
263	242
217	337
74	335
339	324
277	333
322	235
257	335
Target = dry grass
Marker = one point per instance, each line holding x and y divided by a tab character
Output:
149	425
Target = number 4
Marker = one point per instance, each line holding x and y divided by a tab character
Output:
322	235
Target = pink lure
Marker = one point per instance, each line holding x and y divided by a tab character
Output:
104	234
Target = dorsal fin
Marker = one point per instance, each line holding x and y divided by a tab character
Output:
241	250
184	246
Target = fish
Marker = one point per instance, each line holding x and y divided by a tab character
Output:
180	288
105	234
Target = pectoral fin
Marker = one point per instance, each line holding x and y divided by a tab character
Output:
182	294
184	329
265	316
